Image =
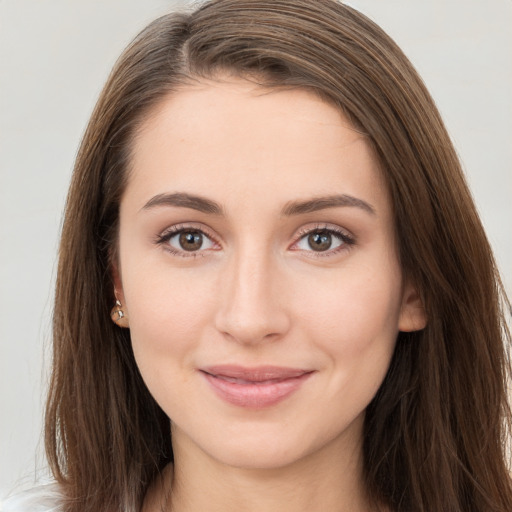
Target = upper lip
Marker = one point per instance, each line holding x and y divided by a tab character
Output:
254	374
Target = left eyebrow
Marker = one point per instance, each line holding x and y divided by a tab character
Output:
322	203
183	200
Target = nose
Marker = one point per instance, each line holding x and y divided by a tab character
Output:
252	307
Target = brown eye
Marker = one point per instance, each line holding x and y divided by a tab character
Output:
323	241
190	240
320	241
186	241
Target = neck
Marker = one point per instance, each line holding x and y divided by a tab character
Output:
327	480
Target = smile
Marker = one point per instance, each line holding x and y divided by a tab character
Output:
254	388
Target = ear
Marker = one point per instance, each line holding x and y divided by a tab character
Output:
119	313
412	312
116	279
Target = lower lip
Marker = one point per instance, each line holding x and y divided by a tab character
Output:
255	395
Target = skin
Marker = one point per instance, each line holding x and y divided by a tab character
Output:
257	293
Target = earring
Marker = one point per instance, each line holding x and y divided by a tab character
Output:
118	315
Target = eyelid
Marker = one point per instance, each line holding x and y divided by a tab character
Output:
348	239
163	237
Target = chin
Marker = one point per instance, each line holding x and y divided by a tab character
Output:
252	456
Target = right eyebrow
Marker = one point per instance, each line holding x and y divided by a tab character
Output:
184	200
322	203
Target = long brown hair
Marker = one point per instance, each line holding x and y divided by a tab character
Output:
435	434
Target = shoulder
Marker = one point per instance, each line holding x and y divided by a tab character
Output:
44	498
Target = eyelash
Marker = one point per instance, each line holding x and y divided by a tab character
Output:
164	238
347	240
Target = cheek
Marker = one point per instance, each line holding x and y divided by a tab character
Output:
168	311
355	313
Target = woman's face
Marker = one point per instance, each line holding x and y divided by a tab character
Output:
258	268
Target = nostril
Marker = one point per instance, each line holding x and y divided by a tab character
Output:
253	328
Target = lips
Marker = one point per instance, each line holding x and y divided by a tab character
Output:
258	387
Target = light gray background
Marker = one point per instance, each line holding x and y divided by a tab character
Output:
54	57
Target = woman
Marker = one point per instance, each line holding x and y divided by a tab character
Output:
274	291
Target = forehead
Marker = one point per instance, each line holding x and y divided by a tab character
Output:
239	141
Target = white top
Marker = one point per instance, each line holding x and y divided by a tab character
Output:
45	498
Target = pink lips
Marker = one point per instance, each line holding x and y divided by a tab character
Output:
258	387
